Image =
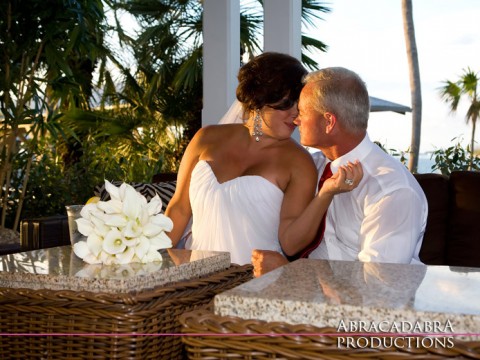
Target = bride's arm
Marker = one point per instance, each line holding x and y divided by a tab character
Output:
179	209
300	218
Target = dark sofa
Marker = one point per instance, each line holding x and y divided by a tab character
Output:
452	236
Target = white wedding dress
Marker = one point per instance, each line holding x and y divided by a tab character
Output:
237	216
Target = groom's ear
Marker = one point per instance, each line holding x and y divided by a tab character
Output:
331	121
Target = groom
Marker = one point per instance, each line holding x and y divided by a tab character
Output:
384	218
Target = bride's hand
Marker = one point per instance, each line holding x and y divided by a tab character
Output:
345	179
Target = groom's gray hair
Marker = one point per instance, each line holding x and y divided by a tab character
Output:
343	93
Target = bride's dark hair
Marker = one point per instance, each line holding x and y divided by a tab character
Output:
271	78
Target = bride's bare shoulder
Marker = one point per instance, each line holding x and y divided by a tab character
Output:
221	131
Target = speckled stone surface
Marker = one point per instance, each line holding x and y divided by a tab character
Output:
344	294
59	269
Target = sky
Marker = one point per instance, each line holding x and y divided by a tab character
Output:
367	37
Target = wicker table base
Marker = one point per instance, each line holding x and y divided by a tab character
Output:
216	337
85	325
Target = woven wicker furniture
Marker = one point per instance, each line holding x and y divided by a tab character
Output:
225	337
325	309
75	324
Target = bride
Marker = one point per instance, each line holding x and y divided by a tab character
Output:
246	183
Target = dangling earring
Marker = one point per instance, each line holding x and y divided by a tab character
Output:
257	126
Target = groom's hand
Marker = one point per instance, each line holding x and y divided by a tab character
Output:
264	261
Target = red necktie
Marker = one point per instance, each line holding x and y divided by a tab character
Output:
327	173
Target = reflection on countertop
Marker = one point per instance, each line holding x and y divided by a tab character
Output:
59	269
322	293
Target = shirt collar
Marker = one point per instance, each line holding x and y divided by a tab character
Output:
359	153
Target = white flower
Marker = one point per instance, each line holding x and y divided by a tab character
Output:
111	206
123	230
113	242
155	205
161	241
95	243
112	190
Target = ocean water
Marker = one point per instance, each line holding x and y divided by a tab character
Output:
425	164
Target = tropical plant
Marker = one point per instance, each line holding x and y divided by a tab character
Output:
47	65
168	50
67	99
467	86
455	158
416	93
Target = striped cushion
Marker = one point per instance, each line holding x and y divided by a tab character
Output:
164	189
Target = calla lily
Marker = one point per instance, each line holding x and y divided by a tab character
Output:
99	226
132	204
113	242
142	247
155	205
132	230
84	226
126	256
82	250
131	242
116	220
157	224
152	255
163	221
111	206
95	243
126	229
87	210
112	190
151	230
161	241
107	259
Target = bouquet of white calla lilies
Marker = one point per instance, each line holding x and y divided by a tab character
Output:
124	229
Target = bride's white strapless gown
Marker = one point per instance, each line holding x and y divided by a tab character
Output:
237	216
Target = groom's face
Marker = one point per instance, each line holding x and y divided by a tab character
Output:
311	124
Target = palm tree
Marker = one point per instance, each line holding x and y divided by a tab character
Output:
47	65
416	92
466	86
169	54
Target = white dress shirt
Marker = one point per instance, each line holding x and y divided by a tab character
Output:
383	219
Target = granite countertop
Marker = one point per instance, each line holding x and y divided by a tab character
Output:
337	293
60	269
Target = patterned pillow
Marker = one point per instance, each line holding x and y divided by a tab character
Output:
164	189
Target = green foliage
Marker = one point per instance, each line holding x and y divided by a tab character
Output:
455	158
49	189
466	87
394	152
57	72
49	53
55	182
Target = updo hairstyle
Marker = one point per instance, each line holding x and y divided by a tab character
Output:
268	79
